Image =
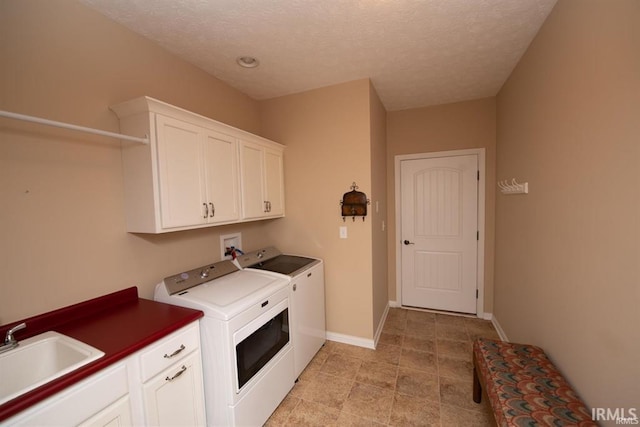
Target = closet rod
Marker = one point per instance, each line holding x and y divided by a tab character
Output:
47	122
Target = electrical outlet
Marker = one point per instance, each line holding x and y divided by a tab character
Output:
343	232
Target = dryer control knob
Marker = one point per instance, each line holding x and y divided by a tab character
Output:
204	273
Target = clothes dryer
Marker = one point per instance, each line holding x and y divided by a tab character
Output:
306	284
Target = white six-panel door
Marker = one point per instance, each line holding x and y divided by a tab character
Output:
439	226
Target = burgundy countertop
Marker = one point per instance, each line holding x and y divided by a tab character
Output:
118	324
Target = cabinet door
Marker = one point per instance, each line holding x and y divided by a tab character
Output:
252	174
176	395
221	171
115	415
180	172
274	182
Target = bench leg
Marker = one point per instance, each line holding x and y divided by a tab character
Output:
477	388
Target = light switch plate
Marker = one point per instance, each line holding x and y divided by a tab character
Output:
343	232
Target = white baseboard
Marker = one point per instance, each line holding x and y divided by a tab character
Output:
367	343
499	329
376	337
350	339
358	341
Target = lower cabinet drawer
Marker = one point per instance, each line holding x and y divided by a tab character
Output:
171	349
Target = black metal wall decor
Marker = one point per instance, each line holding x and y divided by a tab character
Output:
354	203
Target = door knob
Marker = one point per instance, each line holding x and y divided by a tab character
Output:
406	242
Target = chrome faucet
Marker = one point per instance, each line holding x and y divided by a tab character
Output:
9	341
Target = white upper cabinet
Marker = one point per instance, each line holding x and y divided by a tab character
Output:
262	180
274	181
220	154
190	176
197	170
181	173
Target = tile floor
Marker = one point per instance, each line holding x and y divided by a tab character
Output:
420	375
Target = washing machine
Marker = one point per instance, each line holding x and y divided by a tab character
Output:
306	285
247	350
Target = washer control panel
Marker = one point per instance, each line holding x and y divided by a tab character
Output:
188	279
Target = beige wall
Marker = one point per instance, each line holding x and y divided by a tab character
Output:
568	254
327	135
61	218
378	209
463	125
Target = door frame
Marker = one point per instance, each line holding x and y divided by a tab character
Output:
480	152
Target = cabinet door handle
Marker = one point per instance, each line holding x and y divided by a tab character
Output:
206	210
266	206
180	372
175	353
213	210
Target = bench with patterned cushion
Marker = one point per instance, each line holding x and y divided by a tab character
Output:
523	387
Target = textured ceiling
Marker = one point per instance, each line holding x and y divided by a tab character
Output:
416	52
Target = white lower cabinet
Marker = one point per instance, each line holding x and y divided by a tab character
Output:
82	402
171	376
174	397
115	415
160	385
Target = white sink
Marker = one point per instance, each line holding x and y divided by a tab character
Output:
40	359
